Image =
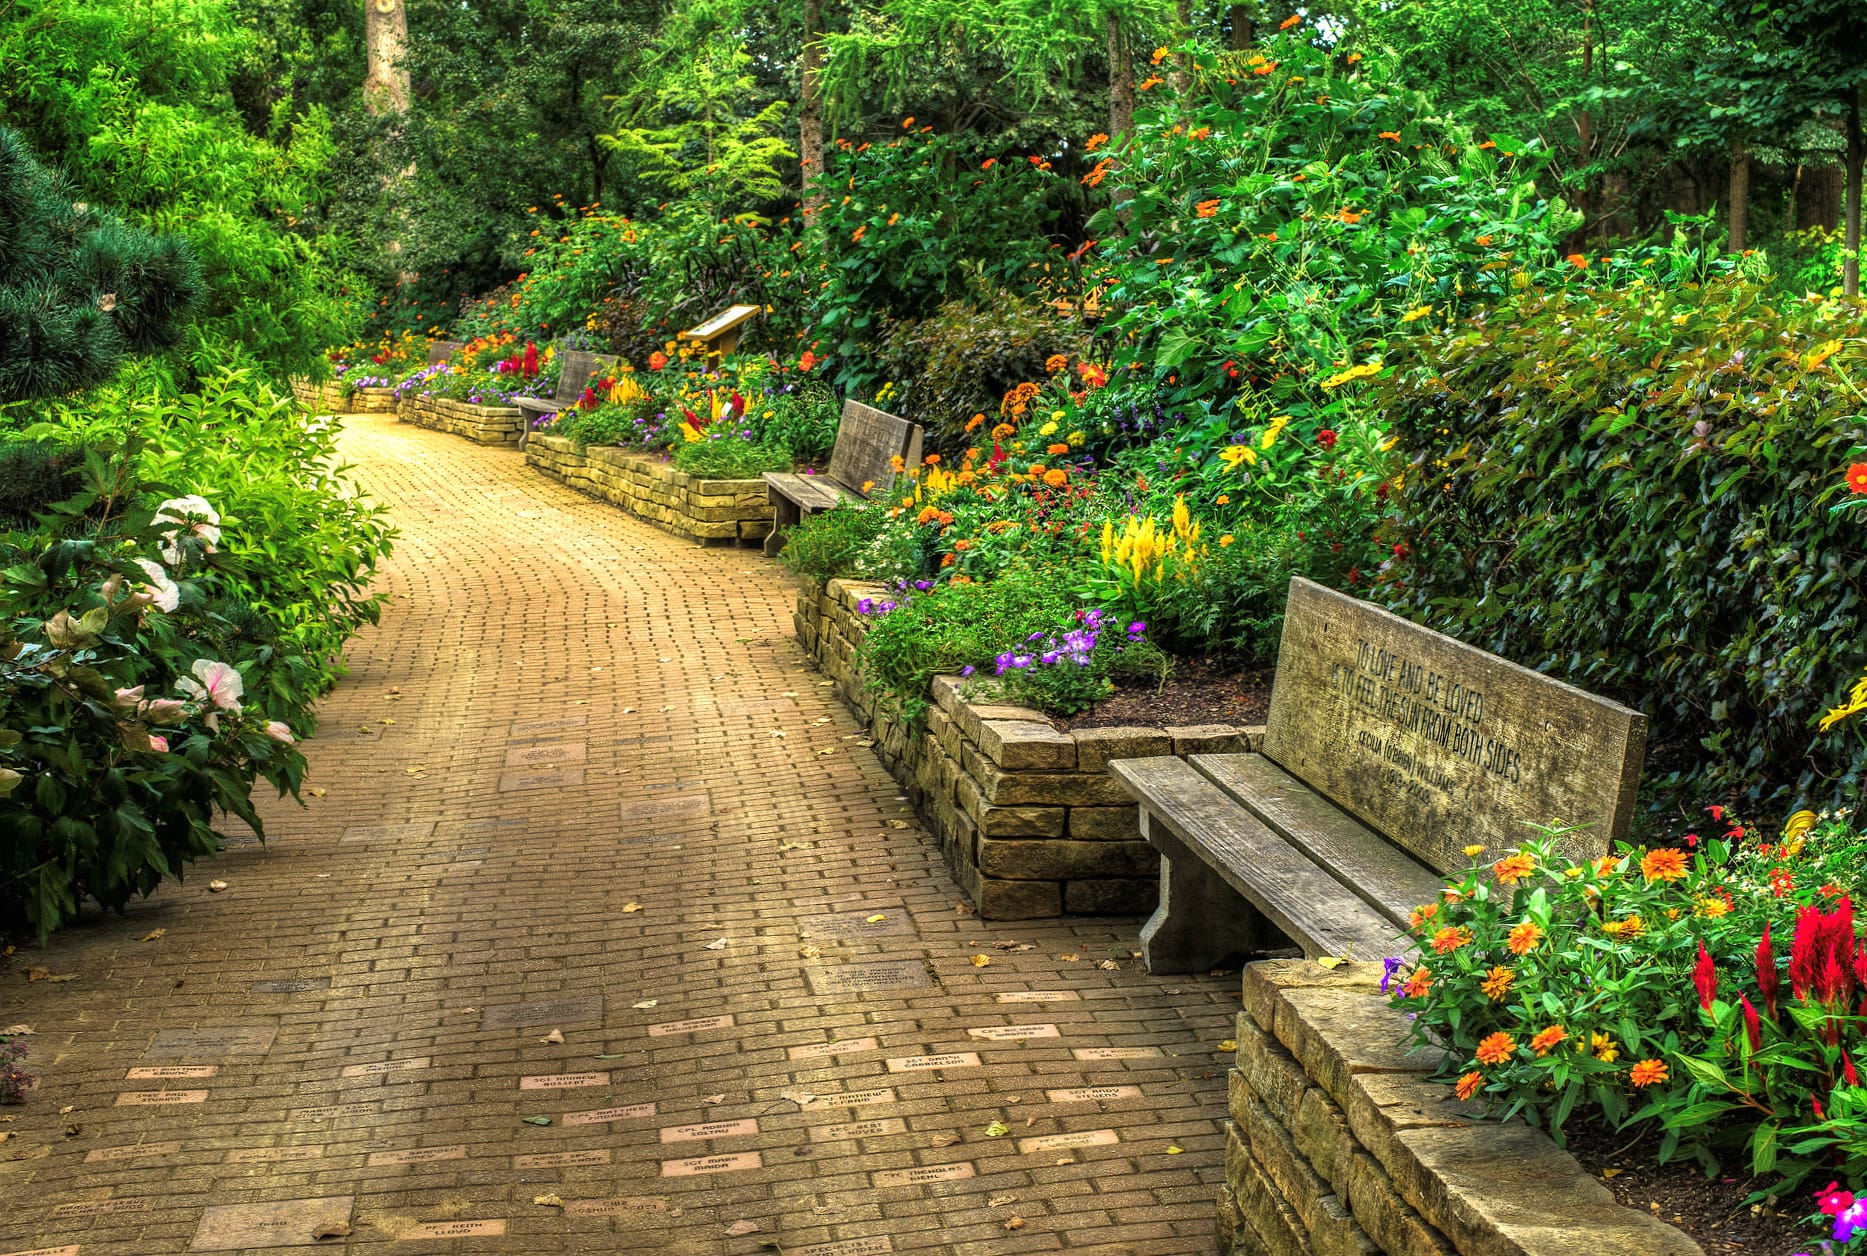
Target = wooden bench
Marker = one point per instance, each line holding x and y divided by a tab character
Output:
862	462
576	368
1389	749
442	350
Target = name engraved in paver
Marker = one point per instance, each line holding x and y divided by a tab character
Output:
70	1249
511	782
553	753
1011	1033
297	985
419	1155
923	1173
272	1155
165	1071
288	1223
712	1164
598	1116
709	1129
1060	1142
386	1066
526	727
690	1026
563	1081
1115	1053
549	1012
895	974
856	925
1090	1094
212	1040
135	1151
100	1208
858	1129
411	832
849	1099
338	1112
849	1046
559	1159
848	1247
681	807
916	1063
629	1206
1038	996
159	1098
452	1230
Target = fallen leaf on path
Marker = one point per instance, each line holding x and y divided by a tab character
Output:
785	847
1229	1045
897	824
67	1110
336	1230
801	1098
1069	959
789	693
1109	965
997	1129
547	1201
981	961
385	721
38	974
827	750
714	1099
628	710
999	1201
876	919
215	887
556	1035
743	1227
810	952
153	934
416	771
1014	946
944	1140
718	944
777	732
1610	1173
644	1005
628	907
15	1031
821	720
865	742
1014	1223
536	1120
1175	1151
317	793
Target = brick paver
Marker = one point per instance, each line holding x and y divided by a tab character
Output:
581	780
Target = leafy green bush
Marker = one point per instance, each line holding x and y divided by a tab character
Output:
834	543
33	475
726	457
1630	490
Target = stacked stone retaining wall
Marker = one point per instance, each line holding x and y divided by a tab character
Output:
719	512
334	398
484	425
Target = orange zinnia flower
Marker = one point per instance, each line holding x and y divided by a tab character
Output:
1419	981
1667	864
1497	983
1547	1041
1469	1084
1206	209
973	424
1648	1073
1451	938
1497	1048
1513	868
1056	478
1857	478
1058	448
1423	914
1524	936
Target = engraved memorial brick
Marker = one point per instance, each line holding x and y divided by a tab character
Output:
923	1173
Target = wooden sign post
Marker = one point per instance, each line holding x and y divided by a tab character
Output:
720	334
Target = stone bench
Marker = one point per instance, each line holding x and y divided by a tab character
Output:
576	369
1389	749
868	441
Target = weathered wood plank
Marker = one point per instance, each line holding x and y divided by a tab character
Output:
810	493
867	443
1308	905
1367	864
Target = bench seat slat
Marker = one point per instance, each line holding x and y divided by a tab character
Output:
1369	865
808	491
1312	908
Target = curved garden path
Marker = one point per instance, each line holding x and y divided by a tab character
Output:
581	780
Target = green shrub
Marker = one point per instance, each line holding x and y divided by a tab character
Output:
33	475
729	458
1631	490
834	543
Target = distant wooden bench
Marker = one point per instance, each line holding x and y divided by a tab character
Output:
442	350
1389	749
862	462
576	368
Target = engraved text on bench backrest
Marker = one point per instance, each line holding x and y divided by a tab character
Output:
1440	745
867	442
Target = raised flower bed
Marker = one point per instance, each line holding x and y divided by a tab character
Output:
482	424
647	486
334	398
1026	815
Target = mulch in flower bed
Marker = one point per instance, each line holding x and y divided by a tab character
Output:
1200	691
1712	1210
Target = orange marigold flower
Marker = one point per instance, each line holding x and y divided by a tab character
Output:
1056	478
1004	431
1058	448
932	460
1469	1084
1290	21
975	422
1577	260
1149	83
1666	864
1451	938
1206	209
1419	981
1160	55
1548	1040
1513	868
1094	142
1497	983
1497	1048
1857	478
1648	1073
962	545
1056	362
657	360
1423	914
1390	135
1525	936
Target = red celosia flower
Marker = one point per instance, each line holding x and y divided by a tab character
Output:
530	363
1326	438
1705	978
1753	1027
1768	979
588	400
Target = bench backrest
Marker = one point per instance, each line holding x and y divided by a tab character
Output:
1440	745
867	443
442	350
575	367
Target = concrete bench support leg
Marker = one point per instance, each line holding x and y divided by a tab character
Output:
785	514
1201	921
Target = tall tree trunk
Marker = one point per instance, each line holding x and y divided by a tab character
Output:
1740	196
1183	30
1121	82
385	25
1818	198
1244	30
1585	126
810	109
1851	257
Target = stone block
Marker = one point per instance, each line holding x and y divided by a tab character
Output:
1112	897
1206	739
1105	824
1055	789
1018	900
1278	1227
1271	1074
1337	1034
1026	745
1228	1224
1321	1133
1020	821
1393	1225
1284	1165
1038	859
1096	746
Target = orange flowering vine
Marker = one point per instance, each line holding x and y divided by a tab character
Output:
1206	209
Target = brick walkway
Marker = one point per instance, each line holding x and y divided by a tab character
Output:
581	780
